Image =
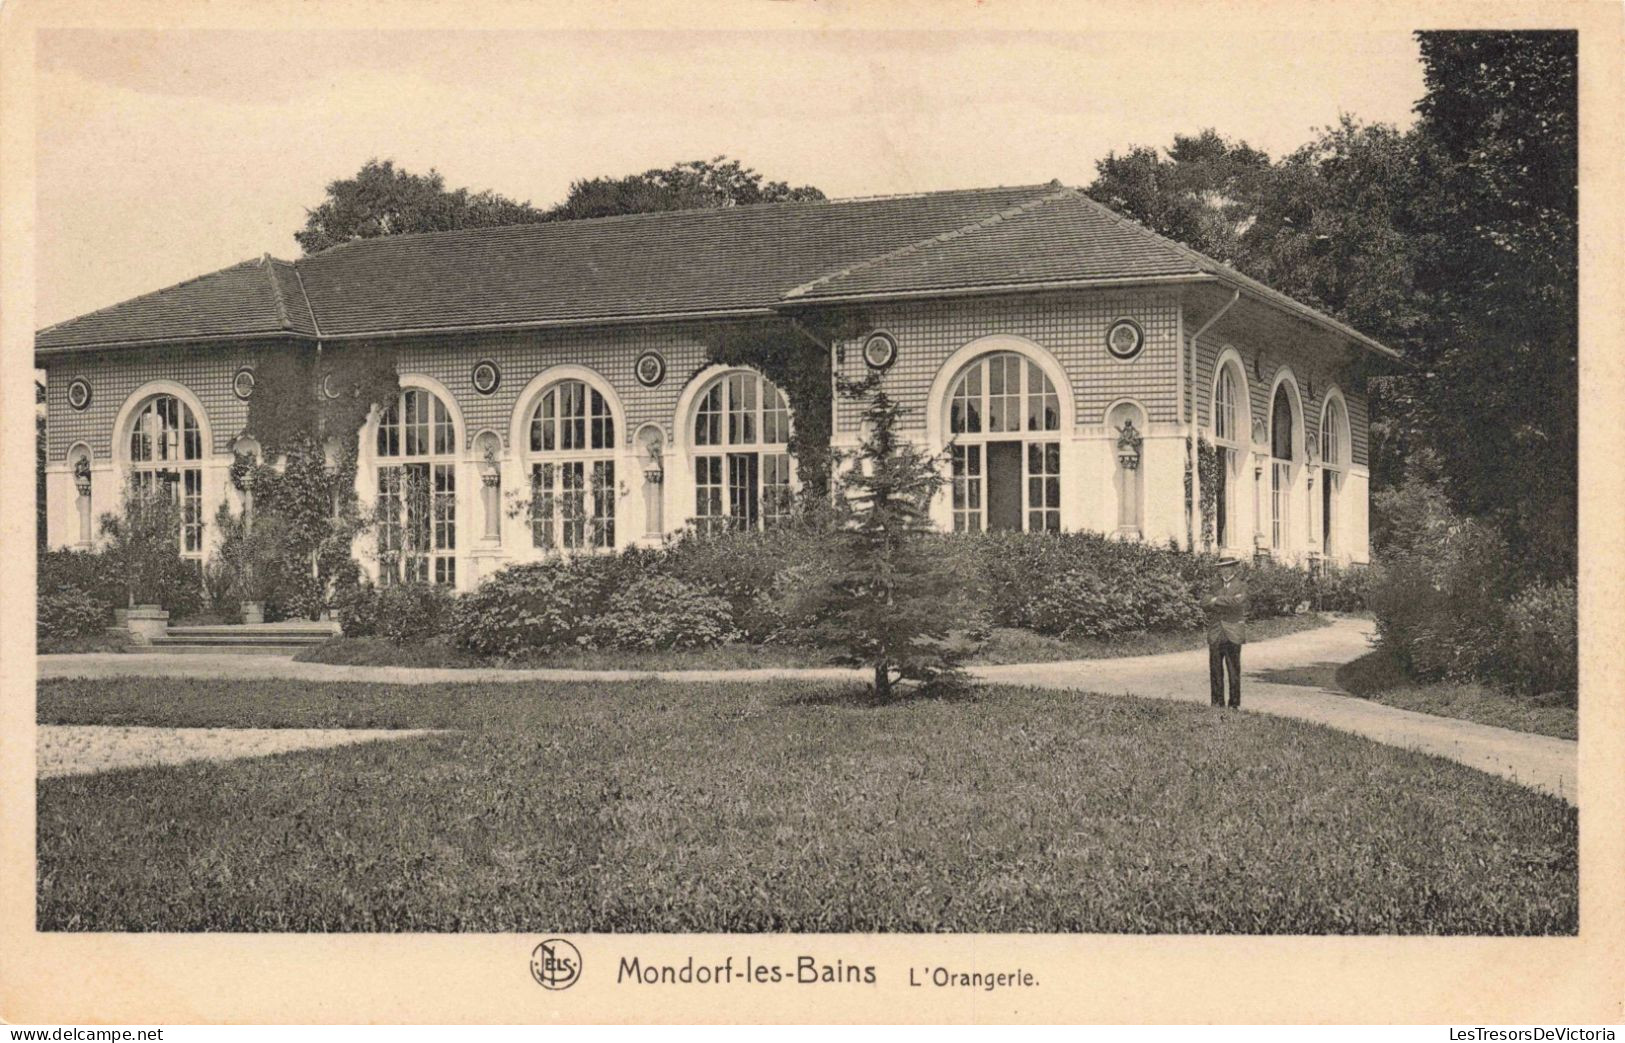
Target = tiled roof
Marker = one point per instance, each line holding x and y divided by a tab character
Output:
692	262
261	297
1060	237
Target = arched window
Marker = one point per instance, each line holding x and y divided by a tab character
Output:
572	468
166	454
1230	431
1006	468
1334	427
1281	453
742	473
417	491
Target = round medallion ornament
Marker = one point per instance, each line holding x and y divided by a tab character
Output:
486	377
242	383
330	386
650	369
880	350
79	394
1125	340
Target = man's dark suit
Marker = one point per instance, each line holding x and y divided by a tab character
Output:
1226	631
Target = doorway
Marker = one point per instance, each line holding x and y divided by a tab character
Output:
1004	486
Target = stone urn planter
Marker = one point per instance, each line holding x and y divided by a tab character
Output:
253	612
147	622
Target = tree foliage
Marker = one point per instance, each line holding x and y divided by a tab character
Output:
1500	258
381	200
1454	242
1205	191
885	597
696	184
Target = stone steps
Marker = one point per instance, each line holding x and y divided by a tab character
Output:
244	639
192	649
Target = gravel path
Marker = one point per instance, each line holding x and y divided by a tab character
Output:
1537	761
76	749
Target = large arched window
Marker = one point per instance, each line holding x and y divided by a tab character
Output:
571	447
166	454
741	454
1230	433
417	491
1003	415
1334	447
1282	419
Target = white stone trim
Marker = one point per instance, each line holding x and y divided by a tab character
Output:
119	451
1333	392
936	399
519	423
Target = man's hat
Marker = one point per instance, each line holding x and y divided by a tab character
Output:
1222	562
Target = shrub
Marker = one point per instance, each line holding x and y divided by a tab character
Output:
69	612
1343	590
748	569
531	608
1541	652
402	613
662	612
143	552
1440	589
1079	583
1275	589
92	572
357	612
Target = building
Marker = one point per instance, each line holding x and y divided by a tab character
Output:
1057	354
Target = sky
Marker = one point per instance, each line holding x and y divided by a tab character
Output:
162	155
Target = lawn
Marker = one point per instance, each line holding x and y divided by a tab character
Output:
662	807
1378	677
1004	645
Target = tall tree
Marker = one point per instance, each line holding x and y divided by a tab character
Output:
1203	192
1499	399
381	200
719	182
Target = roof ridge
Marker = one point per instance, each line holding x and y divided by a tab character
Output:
1214	266
1009	213
144	296
276	290
646	215
300	279
1190	253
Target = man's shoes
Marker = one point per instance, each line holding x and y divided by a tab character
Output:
1236	705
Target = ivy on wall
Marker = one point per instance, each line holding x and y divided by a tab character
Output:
303	395
306	413
801	369
1207	470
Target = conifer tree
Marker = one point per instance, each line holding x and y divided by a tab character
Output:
886	598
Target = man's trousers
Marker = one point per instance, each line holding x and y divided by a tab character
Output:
1223	656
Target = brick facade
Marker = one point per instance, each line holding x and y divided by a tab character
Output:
1067	330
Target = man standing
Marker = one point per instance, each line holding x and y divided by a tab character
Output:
1226	629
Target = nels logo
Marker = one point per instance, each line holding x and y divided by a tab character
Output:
555	964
